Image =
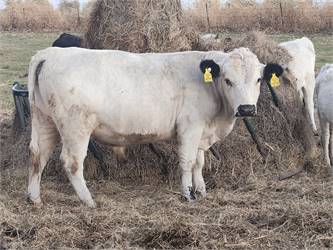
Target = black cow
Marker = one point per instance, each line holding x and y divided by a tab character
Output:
67	40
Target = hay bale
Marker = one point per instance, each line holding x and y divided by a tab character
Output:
138	26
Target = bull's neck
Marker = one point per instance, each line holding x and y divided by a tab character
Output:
224	108
225	117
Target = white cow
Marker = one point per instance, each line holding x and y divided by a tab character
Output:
302	70
124	98
324	85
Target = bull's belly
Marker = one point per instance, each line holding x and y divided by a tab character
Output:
111	136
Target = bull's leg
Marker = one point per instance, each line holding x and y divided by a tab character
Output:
198	181
325	133
44	137
120	152
331	145
73	152
188	147
309	102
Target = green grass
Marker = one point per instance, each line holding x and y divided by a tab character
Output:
16	50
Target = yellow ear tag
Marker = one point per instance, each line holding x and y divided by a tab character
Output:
208	78
275	82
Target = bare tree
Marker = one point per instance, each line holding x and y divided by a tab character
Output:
71	10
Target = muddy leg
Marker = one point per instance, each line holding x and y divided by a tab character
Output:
73	154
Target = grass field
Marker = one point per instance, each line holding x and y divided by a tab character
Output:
16	50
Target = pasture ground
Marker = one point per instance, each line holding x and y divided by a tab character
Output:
261	213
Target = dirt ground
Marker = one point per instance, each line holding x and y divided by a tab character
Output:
260	212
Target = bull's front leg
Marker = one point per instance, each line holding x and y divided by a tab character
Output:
188	148
198	181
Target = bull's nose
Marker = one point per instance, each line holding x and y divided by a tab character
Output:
246	110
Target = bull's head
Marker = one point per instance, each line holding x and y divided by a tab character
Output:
238	75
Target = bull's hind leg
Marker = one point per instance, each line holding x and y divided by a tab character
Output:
308	91
198	181
325	134
44	137
73	152
331	145
75	133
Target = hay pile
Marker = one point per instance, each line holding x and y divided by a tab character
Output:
138	26
266	50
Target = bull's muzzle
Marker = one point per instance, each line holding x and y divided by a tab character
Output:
246	110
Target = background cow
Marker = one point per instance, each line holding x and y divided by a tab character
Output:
67	40
324	85
301	71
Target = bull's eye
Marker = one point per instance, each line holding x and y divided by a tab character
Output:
259	80
228	82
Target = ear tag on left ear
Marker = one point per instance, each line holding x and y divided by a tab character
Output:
208	78
275	82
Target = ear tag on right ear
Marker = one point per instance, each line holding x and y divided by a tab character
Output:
208	78
275	82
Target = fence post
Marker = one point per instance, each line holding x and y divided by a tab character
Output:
207	16
281	12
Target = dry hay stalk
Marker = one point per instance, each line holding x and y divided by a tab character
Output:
266	50
138	26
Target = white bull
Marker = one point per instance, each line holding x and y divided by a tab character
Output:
124	98
302	71
324	85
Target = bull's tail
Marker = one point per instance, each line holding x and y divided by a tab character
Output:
35	68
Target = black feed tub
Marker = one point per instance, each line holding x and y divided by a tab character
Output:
20	95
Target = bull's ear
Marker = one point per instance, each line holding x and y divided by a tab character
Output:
270	69
215	68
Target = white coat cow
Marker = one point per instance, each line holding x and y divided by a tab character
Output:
302	70
123	98
324	85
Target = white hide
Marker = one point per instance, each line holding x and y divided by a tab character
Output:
324	85
124	98
302	68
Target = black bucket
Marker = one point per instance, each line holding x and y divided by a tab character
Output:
21	100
